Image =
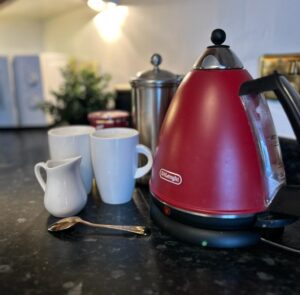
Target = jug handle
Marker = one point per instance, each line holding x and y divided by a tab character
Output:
286	94
141	171
37	172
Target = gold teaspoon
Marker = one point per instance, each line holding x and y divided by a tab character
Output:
69	222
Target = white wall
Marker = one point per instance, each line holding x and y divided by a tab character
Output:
20	36
180	31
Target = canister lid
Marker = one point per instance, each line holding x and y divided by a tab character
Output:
156	76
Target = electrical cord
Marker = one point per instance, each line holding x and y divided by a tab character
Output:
287	248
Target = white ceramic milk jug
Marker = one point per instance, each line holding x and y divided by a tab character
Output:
65	194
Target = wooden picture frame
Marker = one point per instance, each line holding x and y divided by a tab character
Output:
286	64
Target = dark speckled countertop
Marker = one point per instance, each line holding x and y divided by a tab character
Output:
92	261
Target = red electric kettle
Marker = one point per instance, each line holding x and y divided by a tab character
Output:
218	168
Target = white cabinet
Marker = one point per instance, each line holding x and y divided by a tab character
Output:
35	77
29	90
8	111
26	82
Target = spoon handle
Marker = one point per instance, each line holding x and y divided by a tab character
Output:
139	230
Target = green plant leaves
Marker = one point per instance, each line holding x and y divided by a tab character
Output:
83	91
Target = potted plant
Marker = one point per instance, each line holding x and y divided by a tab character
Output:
82	91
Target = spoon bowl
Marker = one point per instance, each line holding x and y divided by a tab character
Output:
64	224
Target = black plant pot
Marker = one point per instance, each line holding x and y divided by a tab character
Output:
79	121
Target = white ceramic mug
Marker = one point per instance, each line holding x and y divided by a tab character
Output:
115	162
72	141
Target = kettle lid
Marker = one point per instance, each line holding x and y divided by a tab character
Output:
156	76
218	56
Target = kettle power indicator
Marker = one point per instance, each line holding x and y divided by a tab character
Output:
170	176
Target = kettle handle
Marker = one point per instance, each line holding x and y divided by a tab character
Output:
286	200
286	94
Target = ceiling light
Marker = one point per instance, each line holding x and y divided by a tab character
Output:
99	5
110	21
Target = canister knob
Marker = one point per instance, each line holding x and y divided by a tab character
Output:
156	60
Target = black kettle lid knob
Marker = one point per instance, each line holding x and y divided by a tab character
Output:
218	36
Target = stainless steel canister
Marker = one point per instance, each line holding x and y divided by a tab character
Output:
152	92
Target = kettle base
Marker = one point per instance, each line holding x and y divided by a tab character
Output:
204	237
